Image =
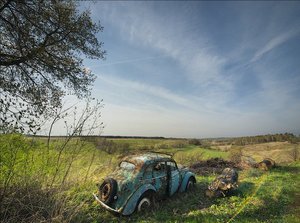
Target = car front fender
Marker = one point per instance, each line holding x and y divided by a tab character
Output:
185	180
131	203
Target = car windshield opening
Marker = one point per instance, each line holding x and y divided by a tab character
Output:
127	165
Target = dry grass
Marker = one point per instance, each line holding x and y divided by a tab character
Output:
224	148
280	152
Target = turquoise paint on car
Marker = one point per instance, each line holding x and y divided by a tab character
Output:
140	178
185	180
132	202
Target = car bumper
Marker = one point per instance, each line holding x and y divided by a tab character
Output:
119	211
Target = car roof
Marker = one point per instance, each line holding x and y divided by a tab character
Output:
147	158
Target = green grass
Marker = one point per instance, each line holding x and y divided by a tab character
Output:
30	165
135	143
193	154
182	152
261	197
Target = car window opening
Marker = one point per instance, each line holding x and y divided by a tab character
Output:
127	166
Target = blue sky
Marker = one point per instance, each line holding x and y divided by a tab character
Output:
198	69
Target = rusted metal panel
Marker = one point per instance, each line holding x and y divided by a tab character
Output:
174	182
185	180
131	203
106	206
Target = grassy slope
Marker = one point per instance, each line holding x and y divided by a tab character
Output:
278	151
184	155
262	197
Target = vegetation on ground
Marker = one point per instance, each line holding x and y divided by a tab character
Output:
251	140
55	182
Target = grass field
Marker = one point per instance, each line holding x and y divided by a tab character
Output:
281	152
41	183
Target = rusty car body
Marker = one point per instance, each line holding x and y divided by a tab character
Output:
139	180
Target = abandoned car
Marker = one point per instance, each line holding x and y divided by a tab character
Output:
141	179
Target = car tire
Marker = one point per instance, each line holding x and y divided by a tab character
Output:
146	201
190	184
108	190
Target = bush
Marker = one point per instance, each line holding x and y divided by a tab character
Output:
123	148
30	204
235	154
295	154
196	142
106	145
188	158
111	147
179	144
162	146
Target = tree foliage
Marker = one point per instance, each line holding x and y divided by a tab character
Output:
248	140
42	44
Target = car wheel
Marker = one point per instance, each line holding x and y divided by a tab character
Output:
145	202
108	190
190	184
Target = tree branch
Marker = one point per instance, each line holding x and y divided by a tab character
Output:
5	5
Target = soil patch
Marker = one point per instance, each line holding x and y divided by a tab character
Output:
212	166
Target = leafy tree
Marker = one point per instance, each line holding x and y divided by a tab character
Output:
41	48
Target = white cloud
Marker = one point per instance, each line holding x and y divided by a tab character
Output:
204	112
146	89
144	27
207	103
275	42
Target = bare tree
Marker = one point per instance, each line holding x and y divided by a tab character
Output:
79	123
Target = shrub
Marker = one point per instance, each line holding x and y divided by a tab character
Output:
235	154
162	146
106	145
123	148
196	142
179	144
295	154
30	204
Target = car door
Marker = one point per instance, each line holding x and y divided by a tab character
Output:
160	181
174	177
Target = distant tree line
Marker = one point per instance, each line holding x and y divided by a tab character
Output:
248	140
126	137
95	137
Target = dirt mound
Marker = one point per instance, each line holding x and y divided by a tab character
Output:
212	166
